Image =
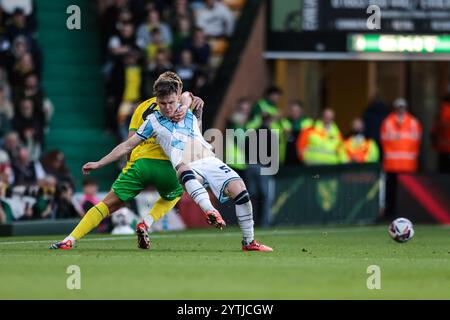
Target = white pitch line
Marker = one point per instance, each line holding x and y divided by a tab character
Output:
197	235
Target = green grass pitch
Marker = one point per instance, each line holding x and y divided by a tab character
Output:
308	263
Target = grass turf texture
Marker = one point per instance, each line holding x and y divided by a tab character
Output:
312	263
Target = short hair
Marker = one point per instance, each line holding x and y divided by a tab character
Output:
172	76
296	102
273	89
155	31
166	85
89	182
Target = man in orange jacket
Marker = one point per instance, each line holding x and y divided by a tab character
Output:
360	149
441	135
401	135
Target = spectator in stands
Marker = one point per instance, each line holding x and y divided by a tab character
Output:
259	185
200	47
373	117
4	51
109	19
45	202
123	43
9	6
182	36
65	208
119	46
360	149
322	143
401	135
201	78
130	82
34	92
18	26
30	127
5	126
216	19
161	64
2	20
186	69
19	48
6	172
6	114
22	68
5	212
90	190
125	16
441	135
11	144
155	45
235	148
144	32
297	122
179	11
54	164
26	171
6	107
268	107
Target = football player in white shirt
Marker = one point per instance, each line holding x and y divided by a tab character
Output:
193	160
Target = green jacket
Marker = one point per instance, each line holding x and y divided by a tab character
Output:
235	149
283	125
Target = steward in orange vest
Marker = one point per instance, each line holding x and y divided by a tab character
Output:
358	148
401	135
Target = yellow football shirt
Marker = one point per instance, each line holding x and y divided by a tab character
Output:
148	149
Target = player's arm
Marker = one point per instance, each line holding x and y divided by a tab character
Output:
130	134
118	152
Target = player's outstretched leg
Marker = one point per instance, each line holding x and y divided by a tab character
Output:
200	196
91	219
244	213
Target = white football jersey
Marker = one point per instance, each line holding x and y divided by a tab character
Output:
173	137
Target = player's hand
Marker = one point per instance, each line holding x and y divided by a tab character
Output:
180	113
88	167
187	98
198	103
186	101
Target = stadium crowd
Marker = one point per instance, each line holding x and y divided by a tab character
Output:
27	169
142	39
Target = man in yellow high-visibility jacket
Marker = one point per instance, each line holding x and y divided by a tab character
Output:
322	143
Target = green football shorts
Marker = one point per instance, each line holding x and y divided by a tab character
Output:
137	176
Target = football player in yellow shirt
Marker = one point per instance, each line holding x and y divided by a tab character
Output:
147	165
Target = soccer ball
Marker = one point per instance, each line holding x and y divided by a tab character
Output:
401	230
